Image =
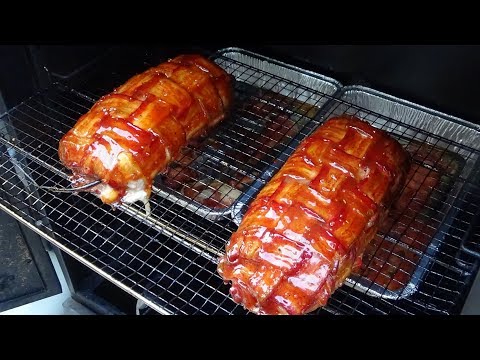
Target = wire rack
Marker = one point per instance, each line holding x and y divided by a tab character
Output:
168	258
417	262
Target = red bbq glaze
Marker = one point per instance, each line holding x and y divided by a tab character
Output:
309	226
133	133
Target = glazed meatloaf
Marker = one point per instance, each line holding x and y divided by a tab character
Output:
309	226
132	134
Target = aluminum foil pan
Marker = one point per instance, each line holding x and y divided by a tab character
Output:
295	95
457	141
274	75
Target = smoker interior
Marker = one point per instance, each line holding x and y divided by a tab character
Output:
168	258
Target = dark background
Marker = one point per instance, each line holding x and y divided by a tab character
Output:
443	77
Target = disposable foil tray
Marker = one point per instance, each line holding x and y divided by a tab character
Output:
444	150
274	106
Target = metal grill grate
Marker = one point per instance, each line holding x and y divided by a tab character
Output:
417	264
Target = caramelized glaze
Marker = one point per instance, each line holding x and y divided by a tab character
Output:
309	226
132	134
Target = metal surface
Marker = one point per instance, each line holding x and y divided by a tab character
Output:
149	256
458	143
168	258
72	189
444	147
293	97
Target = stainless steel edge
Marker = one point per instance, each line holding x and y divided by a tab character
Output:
461	122
335	82
85	262
472	303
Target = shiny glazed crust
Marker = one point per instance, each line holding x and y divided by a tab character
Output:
309	226
131	135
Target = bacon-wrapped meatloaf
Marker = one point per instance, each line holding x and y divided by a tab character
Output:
309	226
132	134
